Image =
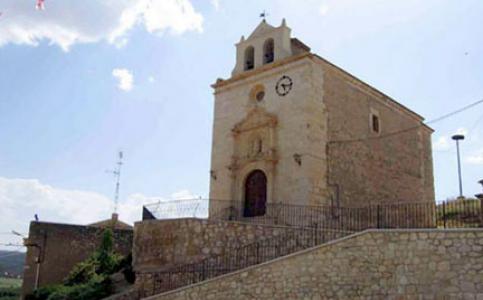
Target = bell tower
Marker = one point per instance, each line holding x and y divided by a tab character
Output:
268	116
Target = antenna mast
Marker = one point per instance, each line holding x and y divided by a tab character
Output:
117	174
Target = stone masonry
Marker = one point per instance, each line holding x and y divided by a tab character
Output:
375	264
163	244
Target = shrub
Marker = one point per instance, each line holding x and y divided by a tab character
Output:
9	293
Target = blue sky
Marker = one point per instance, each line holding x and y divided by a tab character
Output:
64	116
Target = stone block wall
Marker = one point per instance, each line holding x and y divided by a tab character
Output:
160	245
375	264
368	167
61	247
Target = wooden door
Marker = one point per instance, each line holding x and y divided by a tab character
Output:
255	194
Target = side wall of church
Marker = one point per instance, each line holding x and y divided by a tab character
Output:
299	131
367	167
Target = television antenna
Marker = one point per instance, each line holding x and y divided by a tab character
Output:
117	174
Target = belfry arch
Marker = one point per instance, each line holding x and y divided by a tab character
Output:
268	51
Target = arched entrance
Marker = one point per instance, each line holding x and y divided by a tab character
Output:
255	194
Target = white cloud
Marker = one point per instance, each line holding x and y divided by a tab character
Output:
65	23
475	159
323	9
151	79
216	4
125	79
442	143
21	199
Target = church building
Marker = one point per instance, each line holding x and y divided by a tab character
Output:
292	128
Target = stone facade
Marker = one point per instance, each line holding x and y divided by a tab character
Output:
302	137
61	247
375	264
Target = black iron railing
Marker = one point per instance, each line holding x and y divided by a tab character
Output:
445	214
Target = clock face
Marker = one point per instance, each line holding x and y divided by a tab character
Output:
284	85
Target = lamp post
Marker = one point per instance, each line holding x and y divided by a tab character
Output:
457	138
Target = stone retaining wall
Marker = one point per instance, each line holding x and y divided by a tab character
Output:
161	244
375	264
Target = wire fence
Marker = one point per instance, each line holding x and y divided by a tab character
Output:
445	214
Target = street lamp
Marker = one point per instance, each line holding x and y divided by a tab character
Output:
457	138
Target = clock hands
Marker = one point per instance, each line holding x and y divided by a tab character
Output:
284	85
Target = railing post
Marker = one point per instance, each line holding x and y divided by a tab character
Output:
378	216
481	210
444	214
203	271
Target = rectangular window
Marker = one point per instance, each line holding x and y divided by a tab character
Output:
375	123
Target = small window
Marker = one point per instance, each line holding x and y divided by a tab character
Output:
375	124
249	58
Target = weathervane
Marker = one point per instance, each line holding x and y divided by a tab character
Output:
264	15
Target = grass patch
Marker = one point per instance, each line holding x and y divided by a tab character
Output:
10	282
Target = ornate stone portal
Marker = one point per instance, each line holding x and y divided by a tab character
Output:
255	143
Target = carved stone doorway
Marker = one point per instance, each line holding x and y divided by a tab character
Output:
255	194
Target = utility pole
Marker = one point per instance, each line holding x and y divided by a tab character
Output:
117	174
457	138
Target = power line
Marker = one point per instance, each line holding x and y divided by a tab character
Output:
455	112
480	118
410	128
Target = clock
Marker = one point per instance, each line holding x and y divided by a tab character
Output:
284	85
